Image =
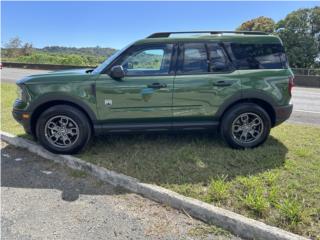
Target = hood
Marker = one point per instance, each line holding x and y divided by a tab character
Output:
55	75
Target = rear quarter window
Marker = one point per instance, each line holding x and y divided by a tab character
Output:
258	56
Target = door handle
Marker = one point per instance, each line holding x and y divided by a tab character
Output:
222	83
157	85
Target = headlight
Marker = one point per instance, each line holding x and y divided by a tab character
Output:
19	92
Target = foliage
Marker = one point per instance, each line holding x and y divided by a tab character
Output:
300	32
27	49
87	51
13	47
219	189
291	211
54	58
15	51
263	24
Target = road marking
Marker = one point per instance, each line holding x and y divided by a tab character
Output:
300	110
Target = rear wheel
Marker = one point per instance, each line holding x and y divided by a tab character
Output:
63	129
245	125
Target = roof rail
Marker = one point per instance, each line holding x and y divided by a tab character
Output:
167	34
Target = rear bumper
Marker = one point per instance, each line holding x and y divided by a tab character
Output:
282	113
18	115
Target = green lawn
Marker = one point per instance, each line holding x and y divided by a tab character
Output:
278	183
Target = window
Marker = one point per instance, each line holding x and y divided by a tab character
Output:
194	58
259	56
218	59
204	58
148	61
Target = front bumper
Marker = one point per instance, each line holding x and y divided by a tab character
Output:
20	117
282	113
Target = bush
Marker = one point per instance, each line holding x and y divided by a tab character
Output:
63	59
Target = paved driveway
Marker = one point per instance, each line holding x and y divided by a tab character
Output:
14	74
43	200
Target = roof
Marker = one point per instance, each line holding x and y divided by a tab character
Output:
214	36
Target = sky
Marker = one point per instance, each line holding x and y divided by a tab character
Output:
116	24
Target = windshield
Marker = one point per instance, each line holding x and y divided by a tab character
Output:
109	60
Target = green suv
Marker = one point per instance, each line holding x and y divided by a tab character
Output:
237	82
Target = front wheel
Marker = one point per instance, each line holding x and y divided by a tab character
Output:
245	125
63	129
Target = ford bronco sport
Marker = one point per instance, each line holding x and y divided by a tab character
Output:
237	82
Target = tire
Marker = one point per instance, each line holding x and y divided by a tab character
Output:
63	129
245	125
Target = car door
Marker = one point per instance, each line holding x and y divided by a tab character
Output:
144	94
205	79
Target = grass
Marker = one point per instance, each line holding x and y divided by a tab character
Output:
8	95
278	183
77	173
204	230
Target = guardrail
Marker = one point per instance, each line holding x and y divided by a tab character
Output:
307	81
42	66
306	72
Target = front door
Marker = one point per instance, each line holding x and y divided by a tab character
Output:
145	93
205	80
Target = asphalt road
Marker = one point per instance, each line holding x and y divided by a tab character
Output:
306	100
44	200
306	106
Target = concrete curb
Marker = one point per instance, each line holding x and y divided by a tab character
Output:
233	222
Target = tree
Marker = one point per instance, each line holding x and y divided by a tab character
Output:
13	47
263	24
27	49
299	32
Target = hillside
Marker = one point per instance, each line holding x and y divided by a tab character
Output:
86	56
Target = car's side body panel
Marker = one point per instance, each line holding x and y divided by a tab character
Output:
271	82
197	97
131	100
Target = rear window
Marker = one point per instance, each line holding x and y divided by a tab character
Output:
258	56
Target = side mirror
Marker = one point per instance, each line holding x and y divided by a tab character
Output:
117	72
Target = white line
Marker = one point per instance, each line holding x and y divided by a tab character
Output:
300	110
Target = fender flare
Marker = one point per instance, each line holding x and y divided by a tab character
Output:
253	94
58	97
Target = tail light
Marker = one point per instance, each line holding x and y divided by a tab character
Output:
290	84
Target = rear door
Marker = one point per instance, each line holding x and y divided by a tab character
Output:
204	80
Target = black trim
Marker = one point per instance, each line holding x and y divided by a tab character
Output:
51	97
26	123
101	128
167	34
243	96
208	56
93	89
283	113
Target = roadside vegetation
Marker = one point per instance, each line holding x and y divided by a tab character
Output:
17	51
278	183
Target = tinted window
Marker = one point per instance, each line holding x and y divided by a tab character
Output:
148	61
218	59
194	58
258	56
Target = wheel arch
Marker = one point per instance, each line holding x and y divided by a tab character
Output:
263	101
41	106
